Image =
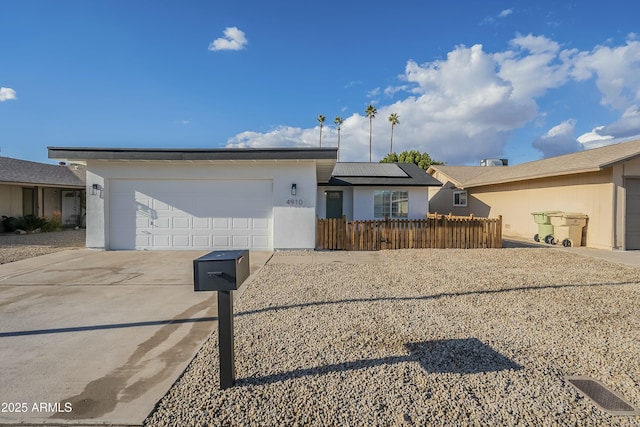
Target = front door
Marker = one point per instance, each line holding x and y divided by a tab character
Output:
334	204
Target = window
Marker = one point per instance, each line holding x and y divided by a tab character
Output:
394	204
459	198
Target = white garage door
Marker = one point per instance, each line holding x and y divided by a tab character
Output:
190	214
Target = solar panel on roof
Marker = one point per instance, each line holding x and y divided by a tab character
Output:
369	169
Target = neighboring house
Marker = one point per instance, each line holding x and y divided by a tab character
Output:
364	191
603	183
31	188
258	199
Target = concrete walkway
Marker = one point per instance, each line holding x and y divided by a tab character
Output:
630	258
90	337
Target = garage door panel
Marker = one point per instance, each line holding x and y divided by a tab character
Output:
632	223
200	223
221	241
201	241
240	223
159	214
142	240
260	224
160	240
159	205
240	241
220	223
160	224
181	242
180	223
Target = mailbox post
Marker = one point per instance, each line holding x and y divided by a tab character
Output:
224	272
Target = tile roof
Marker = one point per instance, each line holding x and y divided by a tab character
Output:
582	161
381	175
25	172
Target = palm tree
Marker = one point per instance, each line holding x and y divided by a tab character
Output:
338	121
321	121
371	113
394	119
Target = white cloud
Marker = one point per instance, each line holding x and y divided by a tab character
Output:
594	139
464	107
7	94
283	136
373	92
627	126
505	13
534	65
352	83
460	110
233	39
558	140
616	70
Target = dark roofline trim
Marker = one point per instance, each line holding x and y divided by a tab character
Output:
43	184
383	182
99	153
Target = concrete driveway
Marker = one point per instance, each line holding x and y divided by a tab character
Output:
97	337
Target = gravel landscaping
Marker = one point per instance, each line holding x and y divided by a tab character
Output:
15	247
421	337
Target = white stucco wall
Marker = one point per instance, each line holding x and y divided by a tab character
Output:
363	201
347	201
293	216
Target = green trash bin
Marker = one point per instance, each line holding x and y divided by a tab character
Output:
545	228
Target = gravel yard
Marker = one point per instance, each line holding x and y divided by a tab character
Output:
424	337
14	247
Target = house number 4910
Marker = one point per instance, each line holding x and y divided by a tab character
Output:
295	202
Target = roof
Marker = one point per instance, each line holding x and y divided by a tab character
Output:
325	158
593	160
16	171
100	153
381	175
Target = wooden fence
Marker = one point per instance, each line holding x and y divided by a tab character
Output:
436	231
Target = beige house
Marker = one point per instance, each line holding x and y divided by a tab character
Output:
32	188
603	183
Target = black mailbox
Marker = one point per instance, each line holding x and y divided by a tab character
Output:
220	270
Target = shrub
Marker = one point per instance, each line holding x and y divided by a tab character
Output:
54	223
29	223
8	223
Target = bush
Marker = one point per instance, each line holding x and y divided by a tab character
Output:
29	223
8	223
54	223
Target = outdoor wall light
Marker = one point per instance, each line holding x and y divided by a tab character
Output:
94	189
294	189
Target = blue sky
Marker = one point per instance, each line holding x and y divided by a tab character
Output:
468	79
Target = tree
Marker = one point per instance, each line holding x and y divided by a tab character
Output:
338	121
321	121
423	160
394	119
371	113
